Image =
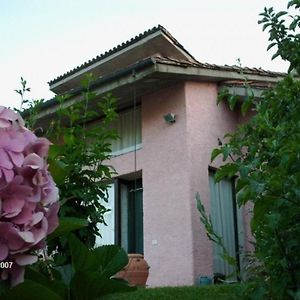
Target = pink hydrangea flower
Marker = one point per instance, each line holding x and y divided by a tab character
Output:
28	195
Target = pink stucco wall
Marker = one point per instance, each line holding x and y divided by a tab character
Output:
174	160
167	216
163	160
206	122
124	164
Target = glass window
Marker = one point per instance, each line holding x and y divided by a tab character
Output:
131	217
125	218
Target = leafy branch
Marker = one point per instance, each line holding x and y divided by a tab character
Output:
213	236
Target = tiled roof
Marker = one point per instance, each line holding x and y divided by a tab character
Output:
167	60
118	48
252	83
237	69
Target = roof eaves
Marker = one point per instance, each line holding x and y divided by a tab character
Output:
147	62
119	48
237	69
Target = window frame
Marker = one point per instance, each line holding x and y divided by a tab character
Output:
118	213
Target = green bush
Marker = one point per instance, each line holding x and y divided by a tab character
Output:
265	153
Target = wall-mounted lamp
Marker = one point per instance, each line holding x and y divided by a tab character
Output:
170	118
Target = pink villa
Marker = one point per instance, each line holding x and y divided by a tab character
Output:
168	124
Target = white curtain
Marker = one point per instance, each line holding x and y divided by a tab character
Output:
108	232
128	126
222	215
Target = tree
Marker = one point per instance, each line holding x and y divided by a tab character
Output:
265	154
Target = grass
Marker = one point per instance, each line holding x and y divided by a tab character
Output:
213	292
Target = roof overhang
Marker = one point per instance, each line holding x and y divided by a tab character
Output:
151	74
155	42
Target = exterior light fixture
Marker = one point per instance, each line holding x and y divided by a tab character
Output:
170	118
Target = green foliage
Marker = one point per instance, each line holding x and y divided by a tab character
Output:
233	99
94	268
265	155
90	276
29	290
77	160
30	108
266	152
67	225
81	136
75	270
283	28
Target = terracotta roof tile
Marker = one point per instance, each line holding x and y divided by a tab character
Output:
245	70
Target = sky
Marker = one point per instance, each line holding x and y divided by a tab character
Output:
42	39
